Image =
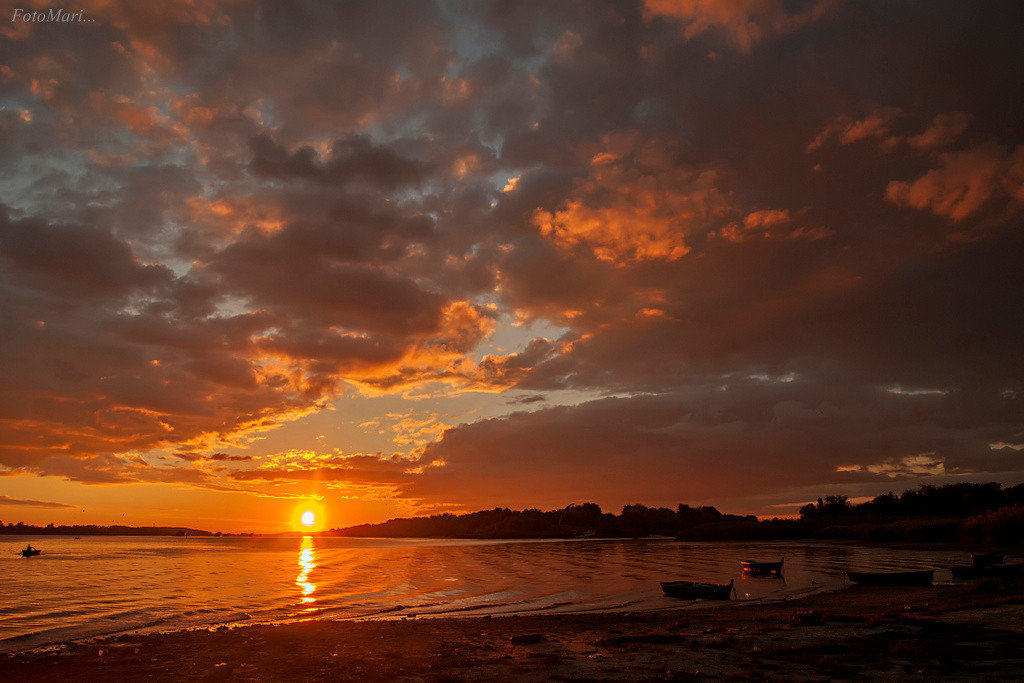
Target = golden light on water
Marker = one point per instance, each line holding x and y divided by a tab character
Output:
307	562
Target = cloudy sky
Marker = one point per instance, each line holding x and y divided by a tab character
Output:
391	258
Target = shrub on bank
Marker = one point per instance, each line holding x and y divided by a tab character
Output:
1005	525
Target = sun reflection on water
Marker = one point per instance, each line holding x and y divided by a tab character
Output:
307	562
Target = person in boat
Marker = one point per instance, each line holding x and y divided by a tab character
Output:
29	548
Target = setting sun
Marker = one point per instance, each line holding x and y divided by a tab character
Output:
308	518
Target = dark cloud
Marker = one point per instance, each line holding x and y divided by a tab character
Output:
212	457
529	398
75	262
19	502
351	159
723	441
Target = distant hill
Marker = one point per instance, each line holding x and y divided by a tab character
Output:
21	529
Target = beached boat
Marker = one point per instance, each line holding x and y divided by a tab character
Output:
30	552
985	559
998	570
752	567
915	578
693	590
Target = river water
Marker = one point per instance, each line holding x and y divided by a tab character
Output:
99	586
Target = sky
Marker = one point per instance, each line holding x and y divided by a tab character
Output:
384	259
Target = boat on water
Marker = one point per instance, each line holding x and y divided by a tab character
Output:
914	578
998	570
30	552
986	559
753	567
694	590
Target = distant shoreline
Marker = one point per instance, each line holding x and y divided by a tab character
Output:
963	512
115	530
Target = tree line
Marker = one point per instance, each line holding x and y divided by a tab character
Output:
971	512
586	519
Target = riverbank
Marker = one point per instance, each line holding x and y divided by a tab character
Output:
967	631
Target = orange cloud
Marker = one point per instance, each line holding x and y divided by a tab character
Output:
141	120
847	131
231	215
746	23
771	224
319	364
635	204
418	432
943	130
964	182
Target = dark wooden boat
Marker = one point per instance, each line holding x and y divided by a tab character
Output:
915	578
985	559
30	553
989	570
752	567
694	590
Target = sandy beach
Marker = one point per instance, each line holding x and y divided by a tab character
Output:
971	631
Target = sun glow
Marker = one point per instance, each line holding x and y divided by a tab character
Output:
308	516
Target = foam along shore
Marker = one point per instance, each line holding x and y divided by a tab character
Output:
967	631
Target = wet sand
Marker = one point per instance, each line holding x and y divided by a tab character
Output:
972	631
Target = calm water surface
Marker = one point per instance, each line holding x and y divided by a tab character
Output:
97	586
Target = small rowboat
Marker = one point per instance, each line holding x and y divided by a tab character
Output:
752	567
694	590
985	559
915	578
30	553
989	570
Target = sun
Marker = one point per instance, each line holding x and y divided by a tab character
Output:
308	516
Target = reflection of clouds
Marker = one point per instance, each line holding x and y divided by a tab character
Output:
307	562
